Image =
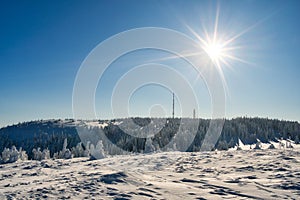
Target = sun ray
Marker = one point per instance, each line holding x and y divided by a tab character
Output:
246	30
216	23
183	55
237	59
220	50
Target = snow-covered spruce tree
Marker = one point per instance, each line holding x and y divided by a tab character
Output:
289	144
97	152
238	146
5	155
149	147
297	141
37	154
271	146
87	152
46	154
79	151
22	154
258	145
41	155
64	153
13	155
222	145
157	148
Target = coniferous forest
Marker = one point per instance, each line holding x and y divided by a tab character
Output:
51	134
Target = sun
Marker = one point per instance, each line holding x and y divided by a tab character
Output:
214	51
218	46
218	51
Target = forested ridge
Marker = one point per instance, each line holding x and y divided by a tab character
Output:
50	134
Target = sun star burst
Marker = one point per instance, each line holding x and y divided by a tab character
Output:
219	48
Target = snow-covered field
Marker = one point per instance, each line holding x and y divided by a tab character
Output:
259	174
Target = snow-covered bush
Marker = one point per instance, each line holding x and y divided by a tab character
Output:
13	155
271	146
281	145
222	145
67	154
41	155
79	151
297	141
289	144
22	154
64	153
97	152
149	147
258	145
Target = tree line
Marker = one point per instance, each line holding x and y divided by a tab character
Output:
119	135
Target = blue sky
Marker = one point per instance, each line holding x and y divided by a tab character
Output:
43	44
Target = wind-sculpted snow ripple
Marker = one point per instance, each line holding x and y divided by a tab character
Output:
227	175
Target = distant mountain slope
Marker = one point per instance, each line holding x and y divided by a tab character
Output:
43	133
51	133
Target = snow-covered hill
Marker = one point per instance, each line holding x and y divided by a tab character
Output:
255	174
122	134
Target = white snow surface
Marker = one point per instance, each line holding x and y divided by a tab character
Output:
245	174
96	124
281	144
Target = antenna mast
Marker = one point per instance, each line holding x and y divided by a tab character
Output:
173	106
